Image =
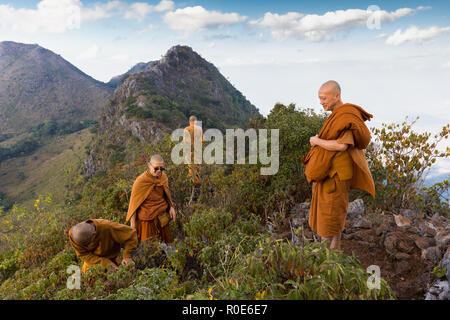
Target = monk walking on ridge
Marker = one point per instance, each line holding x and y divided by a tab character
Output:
151	206
193	134
336	163
98	241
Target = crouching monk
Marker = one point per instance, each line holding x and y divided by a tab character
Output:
98	241
336	163
151	207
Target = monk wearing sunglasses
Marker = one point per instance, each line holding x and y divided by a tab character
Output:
151	207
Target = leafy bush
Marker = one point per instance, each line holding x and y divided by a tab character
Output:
246	190
23	147
149	284
51	127
218	241
399	157
279	270
138	112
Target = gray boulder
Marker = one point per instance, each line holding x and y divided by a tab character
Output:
442	238
432	254
410	214
355	208
439	291
362	223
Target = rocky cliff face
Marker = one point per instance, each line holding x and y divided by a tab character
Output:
160	98
38	85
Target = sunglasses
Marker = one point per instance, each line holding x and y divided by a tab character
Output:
159	168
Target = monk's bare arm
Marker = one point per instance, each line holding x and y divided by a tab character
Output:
133	221
330	145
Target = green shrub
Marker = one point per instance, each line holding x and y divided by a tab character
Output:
218	242
399	157
149	284
277	269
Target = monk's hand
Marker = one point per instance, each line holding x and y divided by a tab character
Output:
126	261
313	140
172	213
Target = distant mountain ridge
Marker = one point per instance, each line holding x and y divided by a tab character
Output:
141	66
37	85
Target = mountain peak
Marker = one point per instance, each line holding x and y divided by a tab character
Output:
168	91
175	56
38	85
14	48
178	55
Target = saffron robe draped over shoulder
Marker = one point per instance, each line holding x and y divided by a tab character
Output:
106	245
142	187
318	160
147	226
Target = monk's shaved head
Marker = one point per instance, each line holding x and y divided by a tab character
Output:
82	233
192	118
330	95
156	158
332	86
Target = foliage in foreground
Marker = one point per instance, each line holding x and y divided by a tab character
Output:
400	158
232	261
222	249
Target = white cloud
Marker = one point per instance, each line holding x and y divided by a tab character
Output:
90	53
120	57
194	19
101	10
58	16
54	16
147	28
416	35
447	65
269	61
381	35
139	10
315	27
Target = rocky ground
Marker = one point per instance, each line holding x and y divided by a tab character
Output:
406	246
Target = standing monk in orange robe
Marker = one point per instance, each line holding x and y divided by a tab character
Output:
151	206
98	241
193	134
336	163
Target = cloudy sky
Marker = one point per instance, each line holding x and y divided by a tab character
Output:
390	57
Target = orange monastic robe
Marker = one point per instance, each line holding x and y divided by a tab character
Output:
105	248
347	170
194	133
150	197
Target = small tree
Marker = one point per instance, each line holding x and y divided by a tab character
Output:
399	158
